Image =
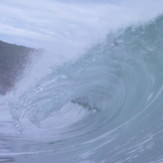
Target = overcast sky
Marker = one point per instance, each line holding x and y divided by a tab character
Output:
35	22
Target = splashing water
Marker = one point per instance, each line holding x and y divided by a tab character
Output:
102	107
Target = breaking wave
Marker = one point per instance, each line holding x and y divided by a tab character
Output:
103	107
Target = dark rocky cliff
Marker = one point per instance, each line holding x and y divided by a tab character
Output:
13	59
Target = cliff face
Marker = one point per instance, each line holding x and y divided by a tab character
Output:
13	59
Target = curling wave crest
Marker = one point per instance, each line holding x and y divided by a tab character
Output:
104	107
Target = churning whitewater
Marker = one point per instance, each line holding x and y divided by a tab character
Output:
102	107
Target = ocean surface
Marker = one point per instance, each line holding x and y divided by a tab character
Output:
104	105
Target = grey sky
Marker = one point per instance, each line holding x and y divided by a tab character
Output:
36	22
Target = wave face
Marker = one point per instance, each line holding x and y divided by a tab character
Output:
104	107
